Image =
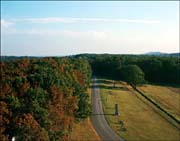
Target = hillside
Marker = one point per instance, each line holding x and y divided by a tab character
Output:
163	54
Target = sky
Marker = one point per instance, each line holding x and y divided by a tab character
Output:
58	28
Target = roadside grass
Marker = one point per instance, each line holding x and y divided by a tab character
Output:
138	120
84	130
167	97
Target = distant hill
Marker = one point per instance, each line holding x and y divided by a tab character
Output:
155	53
175	54
163	54
90	55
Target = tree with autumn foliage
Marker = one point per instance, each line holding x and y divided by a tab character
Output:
42	97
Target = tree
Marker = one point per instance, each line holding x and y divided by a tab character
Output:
83	106
42	97
133	75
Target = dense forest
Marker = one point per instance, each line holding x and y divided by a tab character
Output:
42	97
156	69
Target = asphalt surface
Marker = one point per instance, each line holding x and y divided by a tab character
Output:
98	120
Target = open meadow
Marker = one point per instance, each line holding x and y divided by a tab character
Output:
138	119
167	97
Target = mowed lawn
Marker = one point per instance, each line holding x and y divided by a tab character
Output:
137	120
84	130
167	97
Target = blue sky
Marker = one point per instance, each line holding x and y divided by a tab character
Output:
57	28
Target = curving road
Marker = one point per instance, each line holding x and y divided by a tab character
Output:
98	120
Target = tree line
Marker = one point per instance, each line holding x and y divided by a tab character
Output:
42	97
154	69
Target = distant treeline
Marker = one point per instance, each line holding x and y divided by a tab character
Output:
157	69
42	97
13	58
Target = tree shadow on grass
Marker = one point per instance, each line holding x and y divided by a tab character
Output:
110	108
104	81
109	87
102	114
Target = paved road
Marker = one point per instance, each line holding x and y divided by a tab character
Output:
98	120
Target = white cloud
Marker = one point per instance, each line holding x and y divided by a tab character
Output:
5	23
88	34
47	20
92	34
85	20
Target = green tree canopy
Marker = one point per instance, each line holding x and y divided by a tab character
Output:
133	75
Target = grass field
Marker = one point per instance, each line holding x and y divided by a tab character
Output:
83	130
137	120
167	97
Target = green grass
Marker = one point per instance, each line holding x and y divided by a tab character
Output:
140	120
